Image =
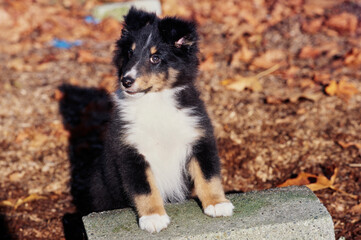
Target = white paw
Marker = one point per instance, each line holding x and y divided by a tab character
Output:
154	223
224	209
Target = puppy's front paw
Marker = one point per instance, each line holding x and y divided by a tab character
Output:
223	209
154	223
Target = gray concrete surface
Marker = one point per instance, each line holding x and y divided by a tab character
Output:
281	213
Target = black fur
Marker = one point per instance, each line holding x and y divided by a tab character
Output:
135	19
120	173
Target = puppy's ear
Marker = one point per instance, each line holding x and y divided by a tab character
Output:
179	33
136	19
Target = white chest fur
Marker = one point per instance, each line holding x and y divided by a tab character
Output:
163	134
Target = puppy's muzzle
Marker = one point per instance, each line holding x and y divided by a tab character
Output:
127	82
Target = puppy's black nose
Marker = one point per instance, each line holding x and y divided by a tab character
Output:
127	82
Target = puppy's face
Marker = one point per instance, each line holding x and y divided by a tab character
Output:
155	54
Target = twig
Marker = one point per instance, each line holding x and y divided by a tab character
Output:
354	164
268	71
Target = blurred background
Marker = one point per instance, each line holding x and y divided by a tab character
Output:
281	81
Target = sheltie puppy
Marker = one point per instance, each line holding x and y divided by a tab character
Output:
160	145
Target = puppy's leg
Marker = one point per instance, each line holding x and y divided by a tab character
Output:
140	184
205	171
152	215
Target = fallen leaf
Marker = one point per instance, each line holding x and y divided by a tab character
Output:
318	7
85	56
6	20
110	29
342	89
58	95
312	26
312	181
301	111
74	81
18	64
343	22
31	197
279	12
6	203
42	67
174	7
330	50
273	100
17	203
21	136
208	64
38	140
294	97
15	177
310	95
356	209
353	57
302	178
315	182
322	78
309	52
270	58
349	144
323	182
331	89
242	29
242	55
59	131
307	83
48	58
291	72
54	187
311	10
239	83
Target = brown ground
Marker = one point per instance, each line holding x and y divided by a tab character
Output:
305	116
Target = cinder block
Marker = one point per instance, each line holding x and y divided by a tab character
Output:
281	213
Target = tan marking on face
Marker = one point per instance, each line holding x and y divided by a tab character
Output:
152	203
153	50
133	46
158	81
172	75
209	192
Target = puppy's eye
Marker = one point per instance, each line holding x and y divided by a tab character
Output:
154	59
130	53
